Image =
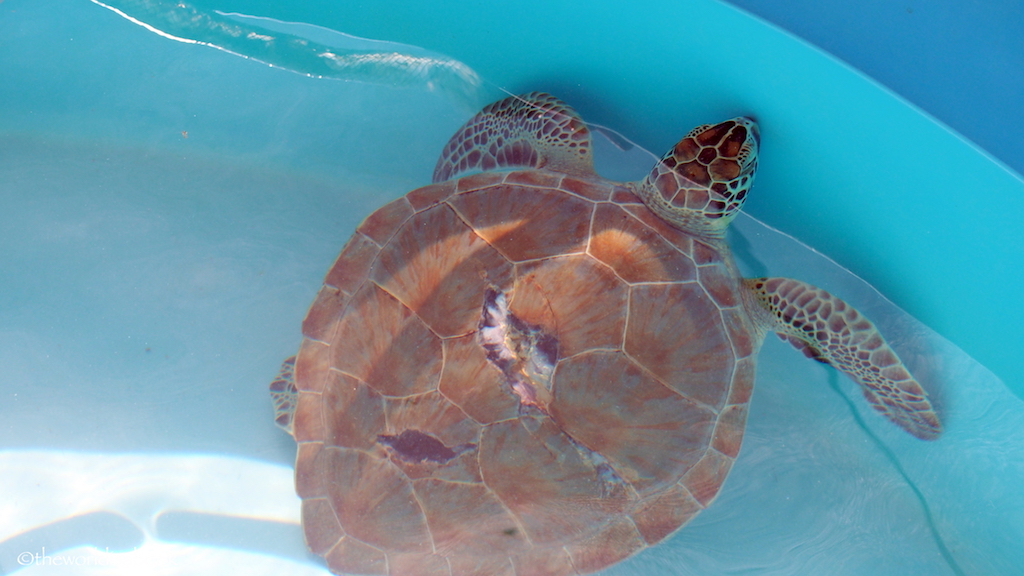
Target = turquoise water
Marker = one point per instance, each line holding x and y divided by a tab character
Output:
169	210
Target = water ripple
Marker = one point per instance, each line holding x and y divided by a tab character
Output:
304	48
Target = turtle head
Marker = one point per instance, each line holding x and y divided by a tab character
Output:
701	183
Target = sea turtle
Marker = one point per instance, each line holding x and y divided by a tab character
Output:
526	369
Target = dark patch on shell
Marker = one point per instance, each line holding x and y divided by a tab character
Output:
416	446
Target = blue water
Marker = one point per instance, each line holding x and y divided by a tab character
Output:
961	62
168	210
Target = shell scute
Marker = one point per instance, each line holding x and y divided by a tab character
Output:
478	181
742	381
427	196
375	502
535	178
473	383
417	564
352	556
636	252
678	238
309	422
349	270
363	407
525	223
383	223
387	346
704	254
625	195
323	316
320	525
615	542
560	477
587	189
309	471
661	514
676	332
575	297
439	268
706	478
720	283
544	562
650	434
467	519
740	332
311	365
729	430
482	566
431	412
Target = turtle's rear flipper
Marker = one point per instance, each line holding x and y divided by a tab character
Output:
285	395
829	330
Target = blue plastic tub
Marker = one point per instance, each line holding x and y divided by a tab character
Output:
175	179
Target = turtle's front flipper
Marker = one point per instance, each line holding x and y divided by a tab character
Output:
829	330
534	130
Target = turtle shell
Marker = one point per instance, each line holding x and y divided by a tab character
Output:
517	373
